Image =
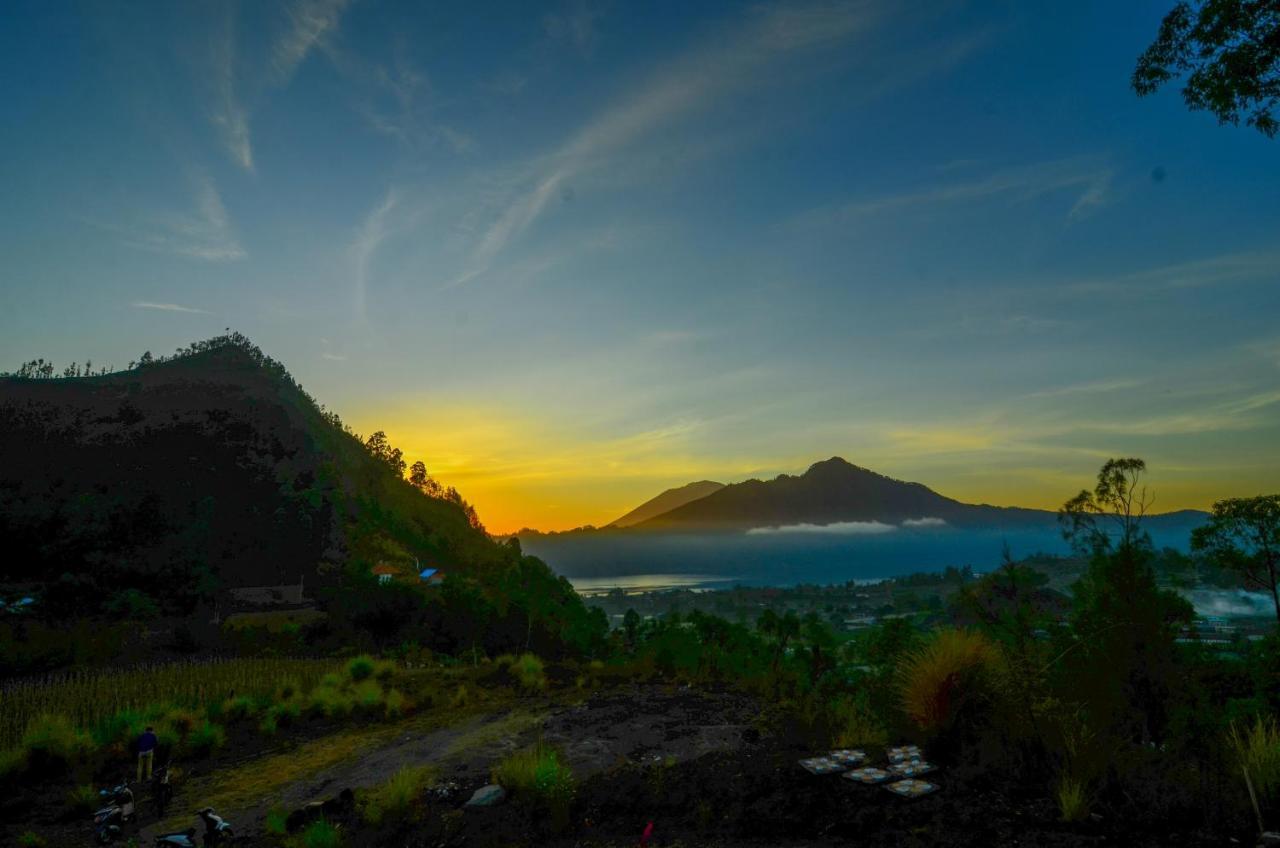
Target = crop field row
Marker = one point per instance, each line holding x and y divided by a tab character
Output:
89	697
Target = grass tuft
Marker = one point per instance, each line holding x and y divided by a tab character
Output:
395	797
938	680
538	775
1073	801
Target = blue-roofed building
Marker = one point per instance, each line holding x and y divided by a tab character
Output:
431	576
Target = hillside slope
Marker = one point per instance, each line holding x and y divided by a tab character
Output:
211	469
667	501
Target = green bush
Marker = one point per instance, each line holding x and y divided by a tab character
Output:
395	797
360	668
277	822
238	709
396	704
321	834
206	738
53	741
12	762
529	673
367	695
330	701
31	839
82	799
538	776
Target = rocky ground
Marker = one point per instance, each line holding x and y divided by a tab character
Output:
699	765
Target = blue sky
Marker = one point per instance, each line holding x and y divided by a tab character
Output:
575	253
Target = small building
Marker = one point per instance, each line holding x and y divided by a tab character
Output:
431	576
385	573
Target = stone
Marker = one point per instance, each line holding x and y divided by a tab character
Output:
487	796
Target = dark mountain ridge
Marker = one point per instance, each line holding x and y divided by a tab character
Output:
667	501
212	469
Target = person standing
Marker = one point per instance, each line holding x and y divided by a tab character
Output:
147	743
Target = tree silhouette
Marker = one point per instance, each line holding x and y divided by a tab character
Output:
1243	535
1230	50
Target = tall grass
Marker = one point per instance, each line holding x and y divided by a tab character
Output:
939	679
1072	798
87	698
395	797
1257	754
538	776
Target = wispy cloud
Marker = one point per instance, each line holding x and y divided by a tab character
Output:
311	21
1013	185
167	307
924	522
230	117
839	528
1252	266
333	357
685	86
373	232
205	232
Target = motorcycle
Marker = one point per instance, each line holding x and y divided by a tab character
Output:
161	790
109	821
217	832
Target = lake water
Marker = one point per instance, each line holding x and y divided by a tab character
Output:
597	562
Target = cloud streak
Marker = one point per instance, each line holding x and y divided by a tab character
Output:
684	87
1014	185
311	21
205	232
839	528
167	307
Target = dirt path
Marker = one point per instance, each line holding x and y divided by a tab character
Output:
639	723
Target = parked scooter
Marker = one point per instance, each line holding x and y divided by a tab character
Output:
217	832
109	821
161	790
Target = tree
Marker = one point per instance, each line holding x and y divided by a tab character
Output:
631	627
1243	534
1124	624
1231	50
418	474
380	446
1117	503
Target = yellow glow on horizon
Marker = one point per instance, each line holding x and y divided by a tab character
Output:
522	471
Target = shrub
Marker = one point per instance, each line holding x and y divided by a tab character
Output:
529	673
182	722
360	668
1257	754
1073	802
461	696
395	797
321	834
53	742
277	822
938	681
396	704
538	776
238	709
330	701
31	839
853	724
12	762
82	799
367	695
206	738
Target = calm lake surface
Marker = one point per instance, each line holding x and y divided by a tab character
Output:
598	562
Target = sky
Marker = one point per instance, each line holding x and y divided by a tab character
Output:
572	254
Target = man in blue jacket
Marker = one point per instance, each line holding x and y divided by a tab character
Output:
146	752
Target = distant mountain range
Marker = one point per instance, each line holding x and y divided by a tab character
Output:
830	492
667	501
